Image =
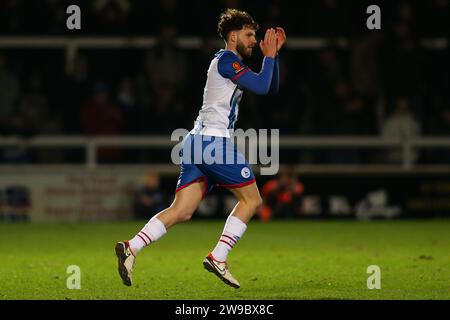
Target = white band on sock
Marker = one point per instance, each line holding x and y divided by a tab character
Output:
232	232
151	232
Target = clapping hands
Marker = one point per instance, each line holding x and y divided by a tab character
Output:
274	39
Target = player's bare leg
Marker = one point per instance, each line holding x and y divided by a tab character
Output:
249	201
185	203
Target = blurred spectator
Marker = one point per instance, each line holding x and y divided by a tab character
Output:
149	200
401	124
435	17
130	112
75	93
327	18
365	65
166	62
126	101
281	196
35	110
406	12
166	112
15	203
17	125
12	16
56	16
402	62
111	16
171	12
350	113
100	117
326	76
441	116
288	101
353	118
272	16
439	125
34	107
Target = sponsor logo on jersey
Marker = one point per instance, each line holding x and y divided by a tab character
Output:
237	67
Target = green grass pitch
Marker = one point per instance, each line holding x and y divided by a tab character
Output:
275	260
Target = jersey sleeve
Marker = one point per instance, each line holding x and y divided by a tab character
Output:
274	86
232	68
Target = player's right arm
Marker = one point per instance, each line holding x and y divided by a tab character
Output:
231	67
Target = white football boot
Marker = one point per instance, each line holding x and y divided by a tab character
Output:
220	269
126	260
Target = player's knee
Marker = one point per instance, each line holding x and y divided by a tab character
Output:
255	202
183	214
259	202
186	216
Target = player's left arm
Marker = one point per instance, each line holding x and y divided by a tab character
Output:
281	39
275	84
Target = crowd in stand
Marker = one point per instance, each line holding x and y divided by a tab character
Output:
385	83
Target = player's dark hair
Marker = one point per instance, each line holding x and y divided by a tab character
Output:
233	19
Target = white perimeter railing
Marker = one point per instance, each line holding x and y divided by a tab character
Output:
92	144
71	45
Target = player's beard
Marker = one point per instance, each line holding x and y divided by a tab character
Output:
244	52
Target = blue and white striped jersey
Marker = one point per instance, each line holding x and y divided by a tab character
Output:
221	96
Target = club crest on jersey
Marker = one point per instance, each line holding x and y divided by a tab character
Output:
237	67
245	172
